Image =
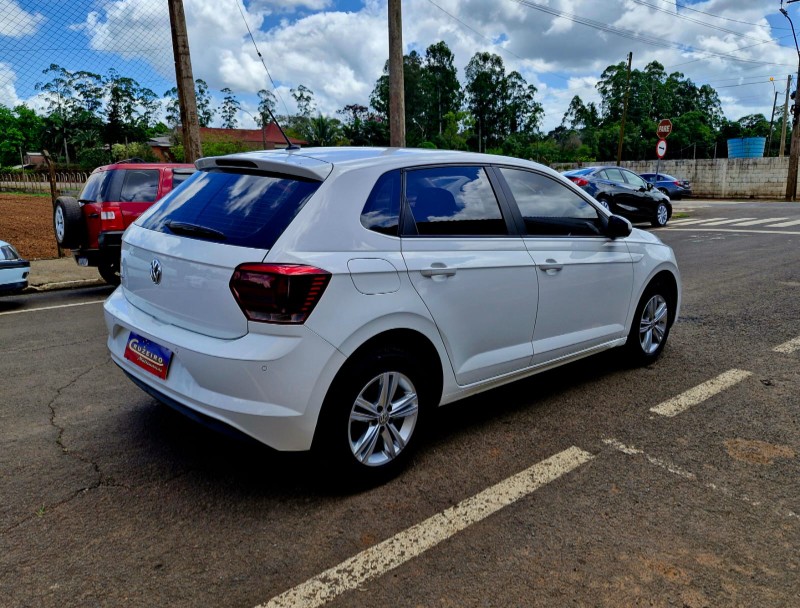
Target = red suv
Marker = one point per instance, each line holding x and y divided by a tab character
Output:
112	198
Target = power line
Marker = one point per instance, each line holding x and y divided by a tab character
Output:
698	21
623	33
694	10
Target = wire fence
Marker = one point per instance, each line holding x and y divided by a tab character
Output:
69	182
130	38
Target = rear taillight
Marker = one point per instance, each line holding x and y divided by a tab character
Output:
278	293
680	185
111	217
580	181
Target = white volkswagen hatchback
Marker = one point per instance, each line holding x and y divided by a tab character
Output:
329	298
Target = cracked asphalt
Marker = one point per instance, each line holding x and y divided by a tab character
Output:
109	499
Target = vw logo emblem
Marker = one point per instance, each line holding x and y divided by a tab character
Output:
155	271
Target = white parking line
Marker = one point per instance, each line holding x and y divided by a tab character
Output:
721	222
784	224
19	312
700	393
788	347
687	222
412	542
761	221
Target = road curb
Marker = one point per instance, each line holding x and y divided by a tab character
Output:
62	285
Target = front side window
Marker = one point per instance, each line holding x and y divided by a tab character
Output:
139	185
549	207
246	209
454	201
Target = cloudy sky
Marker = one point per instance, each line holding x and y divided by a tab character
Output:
337	48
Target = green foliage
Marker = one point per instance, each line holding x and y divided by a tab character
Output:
133	150
91	158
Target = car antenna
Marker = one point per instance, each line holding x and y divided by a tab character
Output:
289	144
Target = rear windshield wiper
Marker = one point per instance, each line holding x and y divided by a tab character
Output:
194	230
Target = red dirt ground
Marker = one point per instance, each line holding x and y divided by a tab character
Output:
26	221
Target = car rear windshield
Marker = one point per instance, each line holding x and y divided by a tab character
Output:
578	172
247	209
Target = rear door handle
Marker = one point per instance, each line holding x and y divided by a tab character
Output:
437	270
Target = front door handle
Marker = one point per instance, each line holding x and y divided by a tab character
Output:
437	270
550	266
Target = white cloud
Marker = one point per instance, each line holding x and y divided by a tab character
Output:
339	55
16	22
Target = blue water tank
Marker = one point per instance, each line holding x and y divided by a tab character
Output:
746	147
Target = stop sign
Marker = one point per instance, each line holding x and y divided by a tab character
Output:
664	128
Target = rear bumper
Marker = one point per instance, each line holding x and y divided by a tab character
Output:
269	387
109	248
14	275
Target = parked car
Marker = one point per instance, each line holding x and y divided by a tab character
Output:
329	298
673	187
112	198
625	193
14	270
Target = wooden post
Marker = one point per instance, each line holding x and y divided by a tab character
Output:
53	190
785	116
397	104
187	101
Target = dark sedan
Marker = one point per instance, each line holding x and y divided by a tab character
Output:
671	186
625	193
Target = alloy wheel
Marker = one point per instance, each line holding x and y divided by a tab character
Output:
653	324
383	418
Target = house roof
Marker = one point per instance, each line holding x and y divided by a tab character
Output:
272	135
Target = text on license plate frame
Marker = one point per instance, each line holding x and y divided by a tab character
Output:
148	355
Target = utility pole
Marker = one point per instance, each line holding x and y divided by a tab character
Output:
794	154
772	118
624	110
190	125
785	116
397	104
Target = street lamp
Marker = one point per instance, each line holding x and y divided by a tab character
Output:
772	118
794	154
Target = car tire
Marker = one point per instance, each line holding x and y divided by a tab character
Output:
360	439
68	222
651	324
661	217
604	201
664	191
109	271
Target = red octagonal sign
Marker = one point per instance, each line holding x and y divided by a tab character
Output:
664	128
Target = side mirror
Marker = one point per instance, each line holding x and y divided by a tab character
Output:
618	227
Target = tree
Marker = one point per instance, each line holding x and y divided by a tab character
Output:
205	113
523	112
486	94
305	100
266	107
323	131
173	108
442	91
230	107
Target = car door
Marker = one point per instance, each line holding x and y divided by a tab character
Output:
472	272
585	278
641	193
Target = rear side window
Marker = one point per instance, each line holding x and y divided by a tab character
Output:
382	211
139	185
246	209
454	201
180	175
95	190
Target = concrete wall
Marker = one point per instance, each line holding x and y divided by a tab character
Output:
720	178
